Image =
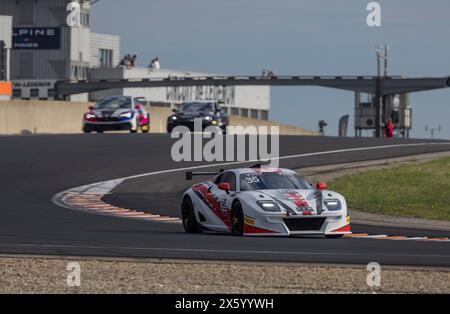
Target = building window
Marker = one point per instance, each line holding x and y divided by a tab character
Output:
79	72
244	112
51	93
106	58
235	111
264	115
254	114
17	93
34	93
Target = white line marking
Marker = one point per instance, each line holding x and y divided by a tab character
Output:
193	250
281	158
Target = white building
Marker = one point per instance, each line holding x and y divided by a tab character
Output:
45	49
105	50
247	101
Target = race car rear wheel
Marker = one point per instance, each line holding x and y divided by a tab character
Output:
190	223
237	219
334	236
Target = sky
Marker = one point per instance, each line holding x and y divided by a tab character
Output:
292	37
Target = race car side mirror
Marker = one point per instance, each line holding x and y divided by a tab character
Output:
321	186
91	108
224	187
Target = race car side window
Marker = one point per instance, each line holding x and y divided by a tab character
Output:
227	177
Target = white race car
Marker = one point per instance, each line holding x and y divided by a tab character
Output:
262	201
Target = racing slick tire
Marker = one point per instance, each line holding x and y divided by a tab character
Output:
237	219
190	223
334	236
133	131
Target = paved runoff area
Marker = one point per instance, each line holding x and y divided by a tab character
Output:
49	275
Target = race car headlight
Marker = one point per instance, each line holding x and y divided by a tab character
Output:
90	116
333	204
126	115
208	118
174	118
269	206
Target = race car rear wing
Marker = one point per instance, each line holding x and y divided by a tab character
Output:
190	174
262	163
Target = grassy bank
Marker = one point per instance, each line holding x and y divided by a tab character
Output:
414	190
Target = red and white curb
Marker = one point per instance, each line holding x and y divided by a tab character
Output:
395	238
89	199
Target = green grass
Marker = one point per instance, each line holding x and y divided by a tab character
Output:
417	190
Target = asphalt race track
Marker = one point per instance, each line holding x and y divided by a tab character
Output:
35	168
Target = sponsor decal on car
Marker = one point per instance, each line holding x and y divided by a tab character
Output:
249	221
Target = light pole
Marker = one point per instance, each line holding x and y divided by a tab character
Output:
379	99
432	130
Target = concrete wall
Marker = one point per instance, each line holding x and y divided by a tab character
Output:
52	117
19	116
284	128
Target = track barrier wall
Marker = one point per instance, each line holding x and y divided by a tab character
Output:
59	117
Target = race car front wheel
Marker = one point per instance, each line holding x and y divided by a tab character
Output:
237	219
190	223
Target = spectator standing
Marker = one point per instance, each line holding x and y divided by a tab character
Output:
133	61
389	130
156	64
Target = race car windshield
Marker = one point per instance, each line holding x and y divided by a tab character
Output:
114	103
197	107
272	181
